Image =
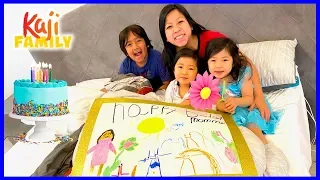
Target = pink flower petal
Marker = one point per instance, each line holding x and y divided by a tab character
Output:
211	77
215	98
215	90
205	78
198	76
194	91
200	81
194	97
216	82
196	102
200	105
208	104
196	85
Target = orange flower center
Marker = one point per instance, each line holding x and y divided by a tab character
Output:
205	93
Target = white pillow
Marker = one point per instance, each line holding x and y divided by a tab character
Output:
274	60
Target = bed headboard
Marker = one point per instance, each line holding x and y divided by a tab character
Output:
96	52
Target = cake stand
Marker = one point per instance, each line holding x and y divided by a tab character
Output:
41	132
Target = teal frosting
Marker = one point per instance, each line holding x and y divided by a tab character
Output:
55	95
27	83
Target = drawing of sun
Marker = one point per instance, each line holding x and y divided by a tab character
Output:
150	126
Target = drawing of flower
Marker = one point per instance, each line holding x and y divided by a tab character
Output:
128	144
215	135
204	92
218	133
230	155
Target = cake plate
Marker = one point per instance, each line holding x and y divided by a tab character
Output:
41	132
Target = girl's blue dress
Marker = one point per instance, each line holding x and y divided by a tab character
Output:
242	115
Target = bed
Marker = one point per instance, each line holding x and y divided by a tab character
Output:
89	65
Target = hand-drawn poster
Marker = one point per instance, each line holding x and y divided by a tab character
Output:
129	137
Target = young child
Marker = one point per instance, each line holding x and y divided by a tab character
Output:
185	71
142	59
232	68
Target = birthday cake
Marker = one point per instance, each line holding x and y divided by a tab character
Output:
40	95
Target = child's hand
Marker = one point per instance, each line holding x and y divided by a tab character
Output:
262	106
185	102
230	105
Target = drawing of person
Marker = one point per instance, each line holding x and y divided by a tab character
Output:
101	150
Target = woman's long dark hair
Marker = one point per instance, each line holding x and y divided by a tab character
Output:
239	61
169	50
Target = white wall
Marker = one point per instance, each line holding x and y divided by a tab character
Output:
17	62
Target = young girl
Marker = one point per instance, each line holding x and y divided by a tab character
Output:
234	71
185	71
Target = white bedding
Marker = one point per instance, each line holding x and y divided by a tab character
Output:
292	134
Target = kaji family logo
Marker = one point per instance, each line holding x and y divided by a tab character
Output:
42	34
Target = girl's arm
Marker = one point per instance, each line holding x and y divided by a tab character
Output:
259	100
220	106
247	94
112	148
257	91
92	149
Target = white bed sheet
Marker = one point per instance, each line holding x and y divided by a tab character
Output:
292	135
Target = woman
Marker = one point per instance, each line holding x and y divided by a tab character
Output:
178	30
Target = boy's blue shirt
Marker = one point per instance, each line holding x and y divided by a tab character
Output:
154	70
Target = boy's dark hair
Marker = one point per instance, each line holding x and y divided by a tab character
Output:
136	30
239	61
186	52
169	50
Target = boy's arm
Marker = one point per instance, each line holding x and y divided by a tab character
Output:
124	67
164	74
164	85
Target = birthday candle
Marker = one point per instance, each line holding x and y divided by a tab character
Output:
45	73
50	72
41	72
37	72
33	73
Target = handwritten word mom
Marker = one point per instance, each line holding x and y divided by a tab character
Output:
197	120
42	34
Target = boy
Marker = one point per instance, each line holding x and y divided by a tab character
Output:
142	59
